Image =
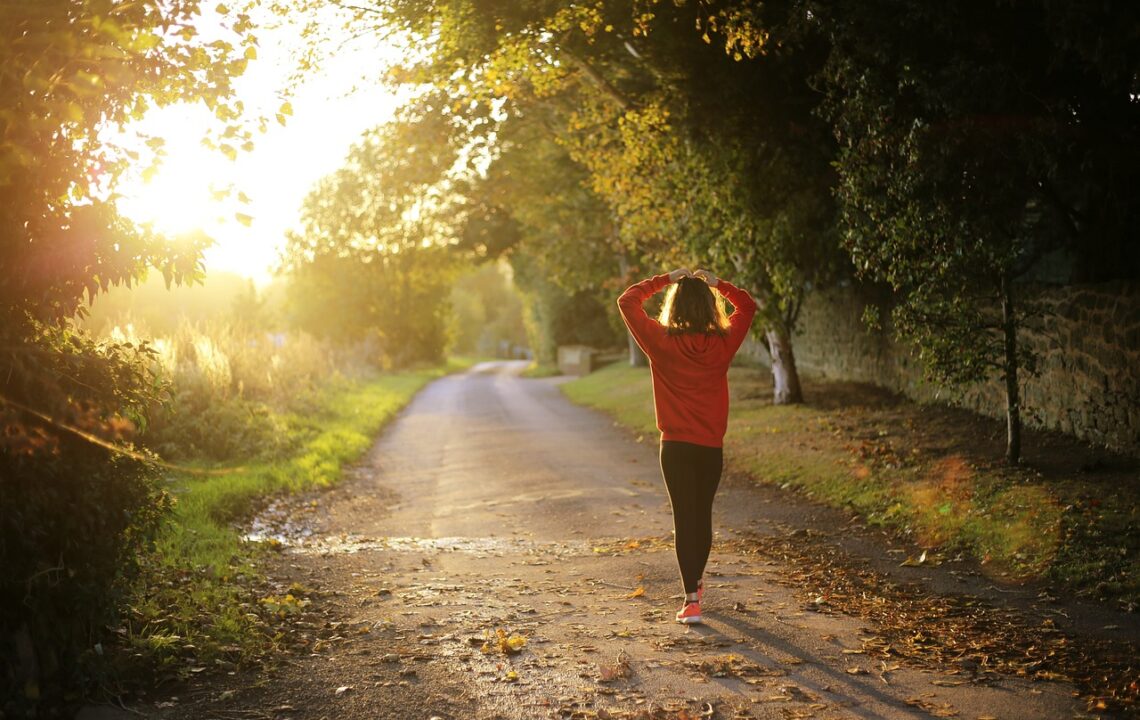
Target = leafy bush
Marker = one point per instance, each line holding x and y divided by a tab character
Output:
74	526
75	514
226	384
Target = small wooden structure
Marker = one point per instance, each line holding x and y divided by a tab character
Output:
577	359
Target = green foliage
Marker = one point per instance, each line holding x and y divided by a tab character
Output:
73	514
618	138
961	164
395	302
71	71
227	387
561	227
533	206
370	262
74	523
971	140
487	312
555	316
57	377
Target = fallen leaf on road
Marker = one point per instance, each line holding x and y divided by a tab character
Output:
502	642
911	562
636	593
342	690
945	710
619	669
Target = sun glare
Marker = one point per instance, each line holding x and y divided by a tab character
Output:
180	197
248	204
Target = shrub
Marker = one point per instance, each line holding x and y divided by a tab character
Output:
75	514
229	386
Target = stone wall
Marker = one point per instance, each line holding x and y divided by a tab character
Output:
1088	383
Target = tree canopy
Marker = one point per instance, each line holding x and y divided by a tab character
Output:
689	153
74	512
72	72
371	258
976	140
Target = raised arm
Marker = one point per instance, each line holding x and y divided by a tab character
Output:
645	330
744	308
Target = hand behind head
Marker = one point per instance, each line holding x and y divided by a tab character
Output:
707	276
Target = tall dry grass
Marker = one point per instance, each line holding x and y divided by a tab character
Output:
233	389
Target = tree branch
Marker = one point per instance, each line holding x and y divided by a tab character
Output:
597	80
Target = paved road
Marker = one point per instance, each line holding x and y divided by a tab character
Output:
492	503
488	454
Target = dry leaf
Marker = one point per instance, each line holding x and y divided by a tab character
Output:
502	642
912	562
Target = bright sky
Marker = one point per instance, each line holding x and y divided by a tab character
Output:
330	111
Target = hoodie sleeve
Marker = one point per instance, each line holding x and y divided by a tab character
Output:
645	330
741	319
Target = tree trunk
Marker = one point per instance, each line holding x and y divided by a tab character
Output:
636	357
1012	391
785	377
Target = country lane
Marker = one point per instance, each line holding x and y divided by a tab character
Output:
504	553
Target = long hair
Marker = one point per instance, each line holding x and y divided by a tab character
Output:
691	306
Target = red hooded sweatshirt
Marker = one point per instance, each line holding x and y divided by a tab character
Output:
690	371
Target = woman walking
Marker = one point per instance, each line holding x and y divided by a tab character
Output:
689	348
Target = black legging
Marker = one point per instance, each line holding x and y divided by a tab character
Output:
692	474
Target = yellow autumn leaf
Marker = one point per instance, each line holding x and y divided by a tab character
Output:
507	644
636	593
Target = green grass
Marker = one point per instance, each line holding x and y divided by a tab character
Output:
535	370
891	464
348	418
201	599
620	390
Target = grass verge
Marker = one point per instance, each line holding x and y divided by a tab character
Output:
1070	514
536	370
202	603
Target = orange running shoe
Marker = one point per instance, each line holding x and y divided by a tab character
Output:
690	614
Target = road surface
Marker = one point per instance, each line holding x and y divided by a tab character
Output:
493	504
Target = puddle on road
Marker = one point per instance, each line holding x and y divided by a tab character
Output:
284	522
288	524
309	544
